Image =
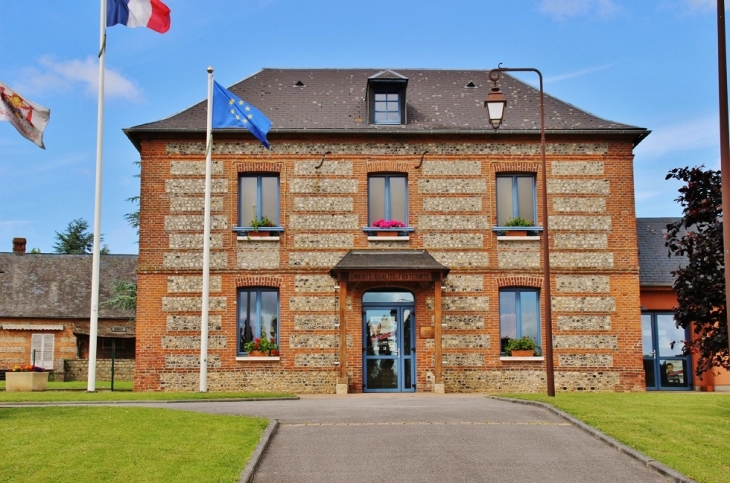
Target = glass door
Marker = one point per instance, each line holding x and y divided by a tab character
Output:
388	348
665	367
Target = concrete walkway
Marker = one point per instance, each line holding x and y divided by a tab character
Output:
424	438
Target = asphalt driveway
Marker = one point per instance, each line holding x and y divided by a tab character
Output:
424	438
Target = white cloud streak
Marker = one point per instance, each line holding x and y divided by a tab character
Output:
701	5
692	134
560	9
66	75
577	73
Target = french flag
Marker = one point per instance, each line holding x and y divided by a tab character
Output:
152	14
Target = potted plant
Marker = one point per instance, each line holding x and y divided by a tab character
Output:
26	378
261	347
257	223
517	222
384	226
522	347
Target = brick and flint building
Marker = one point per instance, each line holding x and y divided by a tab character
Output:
429	306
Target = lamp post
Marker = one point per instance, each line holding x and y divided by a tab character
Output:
724	149
495	104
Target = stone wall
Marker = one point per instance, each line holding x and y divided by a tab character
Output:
78	369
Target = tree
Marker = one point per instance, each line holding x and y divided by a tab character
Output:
700	284
133	218
124	296
76	239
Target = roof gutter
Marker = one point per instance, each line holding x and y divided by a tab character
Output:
639	134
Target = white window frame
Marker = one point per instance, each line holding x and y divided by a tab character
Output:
43	345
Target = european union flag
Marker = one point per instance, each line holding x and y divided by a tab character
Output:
229	110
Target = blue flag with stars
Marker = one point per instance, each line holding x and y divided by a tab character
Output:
229	110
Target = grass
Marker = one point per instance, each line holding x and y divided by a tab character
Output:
687	431
100	385
124	444
76	391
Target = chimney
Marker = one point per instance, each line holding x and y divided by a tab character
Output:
19	246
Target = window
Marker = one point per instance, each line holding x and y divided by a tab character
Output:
258	197
387	198
386	98
41	350
519	315
120	348
386	109
515	198
258	315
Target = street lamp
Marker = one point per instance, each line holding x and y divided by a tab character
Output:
724	149
495	104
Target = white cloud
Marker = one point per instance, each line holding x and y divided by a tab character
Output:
65	75
560	9
701	5
578	73
689	7
691	134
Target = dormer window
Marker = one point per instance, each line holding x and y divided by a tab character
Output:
386	98
386	109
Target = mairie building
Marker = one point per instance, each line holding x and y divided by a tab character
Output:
374	242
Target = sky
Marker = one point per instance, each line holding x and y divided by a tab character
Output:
648	63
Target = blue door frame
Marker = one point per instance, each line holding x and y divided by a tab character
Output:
389	347
665	367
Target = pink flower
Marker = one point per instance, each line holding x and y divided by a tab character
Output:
388	224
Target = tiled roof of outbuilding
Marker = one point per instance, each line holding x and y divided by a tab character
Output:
655	264
438	101
59	286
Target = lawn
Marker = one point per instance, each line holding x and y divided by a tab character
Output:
124	444
76	391
687	431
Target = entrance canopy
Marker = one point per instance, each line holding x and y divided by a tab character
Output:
389	266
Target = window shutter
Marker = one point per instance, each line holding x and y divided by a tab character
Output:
42	344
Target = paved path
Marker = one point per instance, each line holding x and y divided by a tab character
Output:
424	438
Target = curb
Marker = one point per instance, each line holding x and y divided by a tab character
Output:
258	453
637	455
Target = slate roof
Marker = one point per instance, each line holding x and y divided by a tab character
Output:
389	260
59	286
438	101
108	328
655	265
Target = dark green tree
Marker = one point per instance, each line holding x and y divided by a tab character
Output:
133	218
700	284
124	296
76	239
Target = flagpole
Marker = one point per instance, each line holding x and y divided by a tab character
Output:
206	240
94	317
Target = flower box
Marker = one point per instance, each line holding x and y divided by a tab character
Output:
522	353
26	381
259	233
